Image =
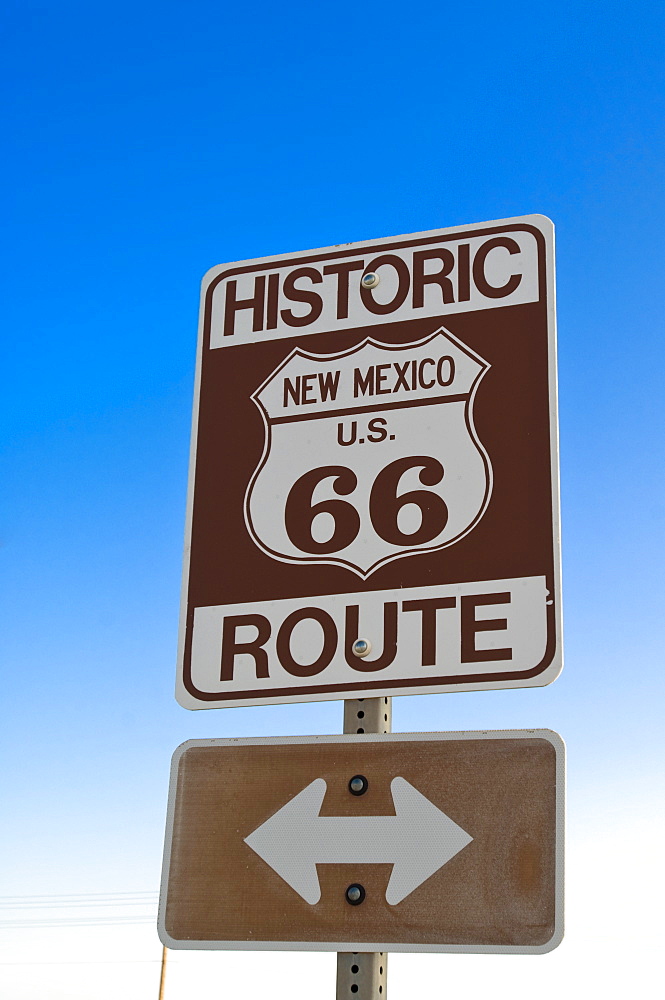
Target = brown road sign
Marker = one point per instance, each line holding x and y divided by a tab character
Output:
374	457
405	842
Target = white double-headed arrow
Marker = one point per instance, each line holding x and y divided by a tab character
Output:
418	840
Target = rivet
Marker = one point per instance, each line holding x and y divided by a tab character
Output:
370	280
355	894
358	784
361	647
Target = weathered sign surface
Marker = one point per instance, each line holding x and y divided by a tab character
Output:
374	457
405	842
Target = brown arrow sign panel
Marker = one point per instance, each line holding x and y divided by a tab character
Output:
451	842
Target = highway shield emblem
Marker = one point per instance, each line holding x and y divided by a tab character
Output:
370	455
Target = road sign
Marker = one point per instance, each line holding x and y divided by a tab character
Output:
406	842
374	458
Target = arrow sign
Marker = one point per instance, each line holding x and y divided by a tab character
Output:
241	807
418	840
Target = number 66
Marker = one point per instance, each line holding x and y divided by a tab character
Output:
384	506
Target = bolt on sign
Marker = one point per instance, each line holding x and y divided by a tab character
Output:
404	842
373	498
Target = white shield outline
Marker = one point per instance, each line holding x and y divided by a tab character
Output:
484	366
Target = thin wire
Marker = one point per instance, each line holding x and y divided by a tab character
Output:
34	905
128	961
80	921
79	895
72	906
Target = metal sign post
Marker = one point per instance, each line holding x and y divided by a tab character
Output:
367	971
373	510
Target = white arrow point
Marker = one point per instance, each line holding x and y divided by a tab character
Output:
418	840
284	841
427	840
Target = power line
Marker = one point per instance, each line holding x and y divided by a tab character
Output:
35	908
77	905
76	896
75	922
128	961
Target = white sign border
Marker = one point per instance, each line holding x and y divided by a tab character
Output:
550	735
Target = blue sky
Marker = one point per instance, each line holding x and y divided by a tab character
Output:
145	143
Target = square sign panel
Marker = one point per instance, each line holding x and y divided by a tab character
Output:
405	842
373	496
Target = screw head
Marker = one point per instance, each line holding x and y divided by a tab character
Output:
358	784
361	647
370	280
355	894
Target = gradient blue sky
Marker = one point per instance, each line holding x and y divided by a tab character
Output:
145	143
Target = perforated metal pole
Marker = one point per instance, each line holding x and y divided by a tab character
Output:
368	715
363	975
